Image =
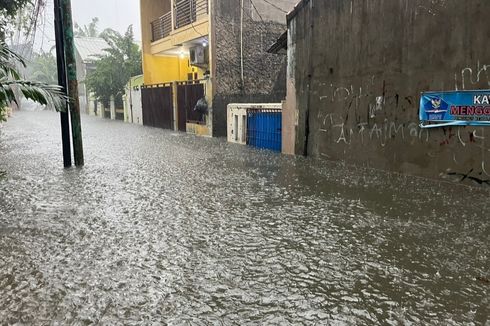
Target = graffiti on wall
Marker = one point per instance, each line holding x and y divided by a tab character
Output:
368	114
471	76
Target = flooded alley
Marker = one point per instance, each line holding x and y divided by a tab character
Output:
162	227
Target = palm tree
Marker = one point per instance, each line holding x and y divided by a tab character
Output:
10	79
89	30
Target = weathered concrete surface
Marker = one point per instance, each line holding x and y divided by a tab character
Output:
264	73
358	72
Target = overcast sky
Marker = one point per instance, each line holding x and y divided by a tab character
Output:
115	14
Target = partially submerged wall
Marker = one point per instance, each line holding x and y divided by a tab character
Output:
358	71
264	73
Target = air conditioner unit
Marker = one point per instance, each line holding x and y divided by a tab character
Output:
197	55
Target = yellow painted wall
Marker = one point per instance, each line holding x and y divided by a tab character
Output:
166	69
163	69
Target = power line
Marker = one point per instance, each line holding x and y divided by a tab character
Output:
275	6
258	13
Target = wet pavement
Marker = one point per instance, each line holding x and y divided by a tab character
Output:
161	227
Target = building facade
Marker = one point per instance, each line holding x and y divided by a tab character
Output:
212	50
356	70
87	52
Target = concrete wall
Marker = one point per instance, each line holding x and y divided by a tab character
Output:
357	74
264	73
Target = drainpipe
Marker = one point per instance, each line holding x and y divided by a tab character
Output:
310	80
131	99
241	44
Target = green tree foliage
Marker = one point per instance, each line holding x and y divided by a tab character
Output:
43	69
10	7
8	11
113	70
90	30
10	79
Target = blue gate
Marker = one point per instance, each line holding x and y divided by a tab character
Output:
264	128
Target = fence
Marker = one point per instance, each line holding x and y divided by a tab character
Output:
188	93
157	105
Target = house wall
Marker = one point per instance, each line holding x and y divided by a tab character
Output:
149	11
158	68
82	89
165	69
264	73
358	71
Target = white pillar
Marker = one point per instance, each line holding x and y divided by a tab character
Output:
100	110
113	108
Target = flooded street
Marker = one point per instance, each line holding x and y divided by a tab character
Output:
162	227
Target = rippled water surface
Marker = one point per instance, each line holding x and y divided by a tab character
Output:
165	228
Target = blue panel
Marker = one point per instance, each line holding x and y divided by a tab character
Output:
264	129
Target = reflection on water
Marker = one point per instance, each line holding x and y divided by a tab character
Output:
162	227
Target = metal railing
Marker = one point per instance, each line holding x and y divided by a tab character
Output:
161	27
189	11
185	12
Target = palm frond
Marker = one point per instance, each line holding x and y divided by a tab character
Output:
7	55
50	95
8	61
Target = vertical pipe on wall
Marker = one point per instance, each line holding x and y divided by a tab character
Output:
131	99
241	43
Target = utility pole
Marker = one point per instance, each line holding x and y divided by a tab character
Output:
71	78
60	58
71	72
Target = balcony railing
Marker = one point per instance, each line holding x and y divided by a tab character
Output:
185	12
161	27
188	11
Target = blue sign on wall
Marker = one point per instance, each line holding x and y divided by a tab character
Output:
455	108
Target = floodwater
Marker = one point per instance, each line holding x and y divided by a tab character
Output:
161	227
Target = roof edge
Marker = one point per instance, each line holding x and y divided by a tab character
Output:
280	44
297	9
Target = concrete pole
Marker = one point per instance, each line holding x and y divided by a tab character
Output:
71	72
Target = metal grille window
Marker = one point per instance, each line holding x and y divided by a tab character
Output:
188	11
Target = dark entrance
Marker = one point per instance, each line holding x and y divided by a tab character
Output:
107	109
188	93
157	105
